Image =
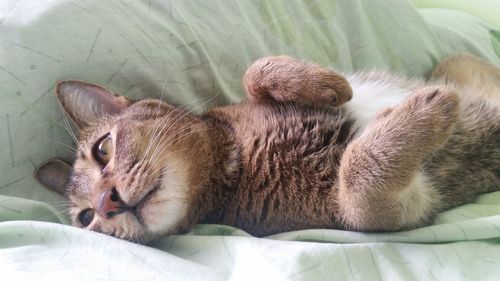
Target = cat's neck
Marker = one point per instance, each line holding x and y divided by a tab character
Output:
225	172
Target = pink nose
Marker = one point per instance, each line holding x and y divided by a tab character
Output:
110	203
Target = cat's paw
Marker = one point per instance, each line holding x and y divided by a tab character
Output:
330	89
435	109
286	79
441	102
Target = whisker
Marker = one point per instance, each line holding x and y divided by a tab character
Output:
73	137
185	113
156	110
62	204
55	215
159	132
68	125
160	168
178	138
72	149
178	119
169	140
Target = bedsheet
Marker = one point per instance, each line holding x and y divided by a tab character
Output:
193	53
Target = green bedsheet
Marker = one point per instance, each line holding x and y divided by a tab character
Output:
195	52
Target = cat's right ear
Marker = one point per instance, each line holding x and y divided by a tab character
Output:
85	103
54	174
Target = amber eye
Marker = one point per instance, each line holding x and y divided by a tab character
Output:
86	217
103	149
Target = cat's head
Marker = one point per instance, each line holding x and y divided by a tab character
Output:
138	164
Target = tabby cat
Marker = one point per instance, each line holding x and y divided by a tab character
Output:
311	148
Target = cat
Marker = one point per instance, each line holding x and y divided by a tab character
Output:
311	148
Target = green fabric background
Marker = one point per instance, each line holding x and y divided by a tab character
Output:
194	53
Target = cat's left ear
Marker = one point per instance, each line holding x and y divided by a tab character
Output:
86	103
54	174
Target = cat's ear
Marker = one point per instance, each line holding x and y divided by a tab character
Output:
54	174
85	103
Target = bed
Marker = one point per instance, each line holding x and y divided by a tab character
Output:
193	53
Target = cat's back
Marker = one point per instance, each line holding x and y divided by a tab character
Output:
289	156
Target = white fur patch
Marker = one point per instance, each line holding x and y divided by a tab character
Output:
369	97
169	207
418	201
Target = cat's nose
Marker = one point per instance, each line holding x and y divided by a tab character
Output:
110	203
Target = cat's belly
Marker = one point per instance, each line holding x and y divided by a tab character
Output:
372	96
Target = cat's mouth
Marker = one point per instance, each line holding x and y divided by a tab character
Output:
143	202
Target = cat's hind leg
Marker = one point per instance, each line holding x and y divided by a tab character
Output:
380	184
470	76
469	163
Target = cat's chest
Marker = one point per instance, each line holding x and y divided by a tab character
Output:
289	132
289	157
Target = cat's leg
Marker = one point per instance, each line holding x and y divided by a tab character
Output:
380	186
285	79
472	77
469	163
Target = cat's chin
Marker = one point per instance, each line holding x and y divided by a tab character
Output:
161	211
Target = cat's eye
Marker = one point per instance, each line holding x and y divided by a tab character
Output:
103	149
86	216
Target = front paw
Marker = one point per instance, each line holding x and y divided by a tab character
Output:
285	79
332	88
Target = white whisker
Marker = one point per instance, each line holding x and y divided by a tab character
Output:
72	149
178	119
67	126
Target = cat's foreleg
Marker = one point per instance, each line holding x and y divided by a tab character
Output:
381	187
285	79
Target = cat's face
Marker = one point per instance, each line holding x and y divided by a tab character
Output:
136	171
